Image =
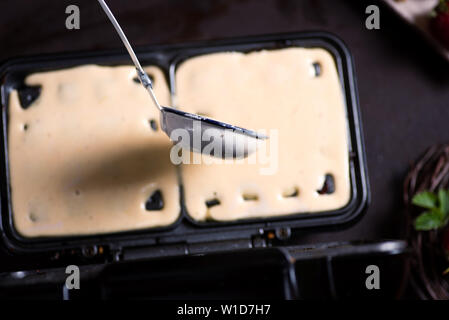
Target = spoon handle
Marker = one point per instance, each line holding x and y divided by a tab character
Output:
143	76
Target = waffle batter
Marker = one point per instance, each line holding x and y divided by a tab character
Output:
295	91
88	154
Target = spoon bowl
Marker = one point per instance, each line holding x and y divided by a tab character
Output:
208	136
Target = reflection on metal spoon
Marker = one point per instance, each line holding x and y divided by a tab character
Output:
208	136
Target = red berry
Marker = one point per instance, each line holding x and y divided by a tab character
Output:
440	27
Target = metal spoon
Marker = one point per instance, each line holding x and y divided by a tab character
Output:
190	129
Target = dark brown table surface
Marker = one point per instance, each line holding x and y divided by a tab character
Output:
403	84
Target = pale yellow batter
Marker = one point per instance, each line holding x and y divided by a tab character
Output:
268	90
83	157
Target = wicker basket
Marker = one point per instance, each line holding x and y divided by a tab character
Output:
428	260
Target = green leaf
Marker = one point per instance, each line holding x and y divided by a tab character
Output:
428	220
443	199
442	6
425	199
